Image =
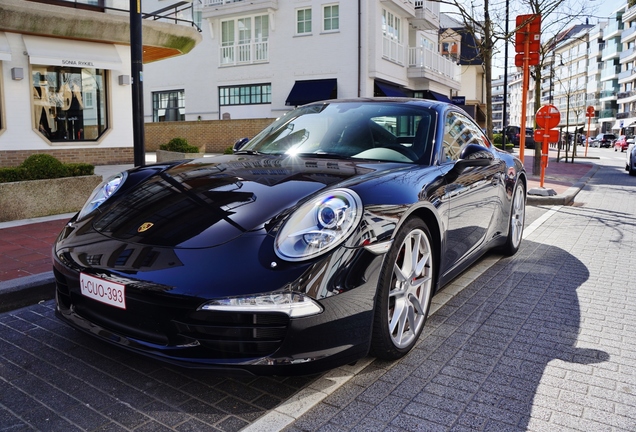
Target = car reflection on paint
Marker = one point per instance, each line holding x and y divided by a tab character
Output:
317	242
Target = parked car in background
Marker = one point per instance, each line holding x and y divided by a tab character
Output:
630	157
622	142
605	139
513	134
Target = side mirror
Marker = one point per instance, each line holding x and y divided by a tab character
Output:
472	155
239	144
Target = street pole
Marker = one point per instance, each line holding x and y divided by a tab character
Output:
504	121
136	63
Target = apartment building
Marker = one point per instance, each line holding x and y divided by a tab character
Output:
260	58
65	69
498	104
626	97
610	57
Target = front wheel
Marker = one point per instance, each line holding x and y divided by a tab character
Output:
631	170
517	220
404	292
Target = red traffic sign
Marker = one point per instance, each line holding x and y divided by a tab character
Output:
533	59
548	117
528	23
534	42
551	135
590	111
528	28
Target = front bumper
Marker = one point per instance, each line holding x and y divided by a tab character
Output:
165	324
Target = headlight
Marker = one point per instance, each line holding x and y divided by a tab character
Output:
102	193
319	225
293	304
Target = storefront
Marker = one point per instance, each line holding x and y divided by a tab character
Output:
65	80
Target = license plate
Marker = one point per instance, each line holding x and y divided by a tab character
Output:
104	291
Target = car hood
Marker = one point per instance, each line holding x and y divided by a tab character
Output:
210	201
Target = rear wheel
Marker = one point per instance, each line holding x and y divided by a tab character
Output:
404	292
517	220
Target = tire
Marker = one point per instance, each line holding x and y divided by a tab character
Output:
631	170
516	221
404	292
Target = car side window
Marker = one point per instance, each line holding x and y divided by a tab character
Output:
459	131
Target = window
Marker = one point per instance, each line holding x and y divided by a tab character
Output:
245	95
168	106
59	96
245	40
303	21
331	18
392	48
459	131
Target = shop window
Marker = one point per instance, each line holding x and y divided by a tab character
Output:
60	96
168	106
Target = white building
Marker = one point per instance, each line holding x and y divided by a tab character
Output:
65	72
259	58
626	97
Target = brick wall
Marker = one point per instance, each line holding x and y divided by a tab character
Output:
214	135
93	156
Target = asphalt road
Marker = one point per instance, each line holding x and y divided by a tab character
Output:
544	340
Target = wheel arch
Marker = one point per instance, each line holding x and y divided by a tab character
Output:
432	221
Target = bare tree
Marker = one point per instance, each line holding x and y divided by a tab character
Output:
486	20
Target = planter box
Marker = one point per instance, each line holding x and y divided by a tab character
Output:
165	155
36	198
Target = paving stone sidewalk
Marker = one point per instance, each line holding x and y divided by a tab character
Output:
542	341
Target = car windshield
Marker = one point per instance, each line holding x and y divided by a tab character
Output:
378	130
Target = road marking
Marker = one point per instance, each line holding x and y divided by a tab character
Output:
307	398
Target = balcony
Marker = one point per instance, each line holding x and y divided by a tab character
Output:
407	6
392	50
607	113
610	72
628	34
426	16
428	64
614	28
223	8
605	94
627	76
246	53
628	55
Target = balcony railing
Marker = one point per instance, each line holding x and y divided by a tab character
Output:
245	53
607	93
426	58
392	50
607	113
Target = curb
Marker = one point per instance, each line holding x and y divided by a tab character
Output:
25	291
566	198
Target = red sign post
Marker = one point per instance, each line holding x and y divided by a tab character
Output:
547	118
589	113
527	45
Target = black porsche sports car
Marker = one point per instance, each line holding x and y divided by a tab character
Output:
320	240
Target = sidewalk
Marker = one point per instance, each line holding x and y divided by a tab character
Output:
26	275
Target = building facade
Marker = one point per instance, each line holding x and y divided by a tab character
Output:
65	69
260	58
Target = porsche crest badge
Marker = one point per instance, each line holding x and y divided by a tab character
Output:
145	227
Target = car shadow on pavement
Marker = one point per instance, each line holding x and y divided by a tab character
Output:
491	358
